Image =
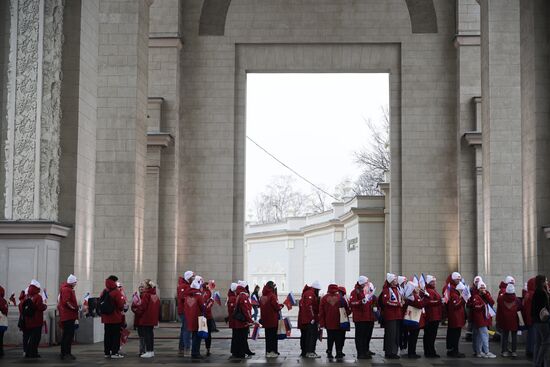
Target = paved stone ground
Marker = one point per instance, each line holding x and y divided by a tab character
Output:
166	354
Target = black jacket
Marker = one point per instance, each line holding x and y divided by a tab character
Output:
540	300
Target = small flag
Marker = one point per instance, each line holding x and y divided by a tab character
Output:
489	311
416	281
254	300
447	293
290	301
45	294
392	296
255	332
136	299
422	282
466	294
288	326
217	298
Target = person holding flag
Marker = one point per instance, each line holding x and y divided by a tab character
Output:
456	314
270	309
184	283
193	308
3	316
481	304
255	302
434	312
68	314
209	300
504	283
413	300
392	313
289	301
32	313
308	318
242	319
362	302
146	307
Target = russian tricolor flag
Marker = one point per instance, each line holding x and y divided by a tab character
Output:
290	301
217	298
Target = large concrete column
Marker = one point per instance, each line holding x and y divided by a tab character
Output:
501	130
121	141
468	84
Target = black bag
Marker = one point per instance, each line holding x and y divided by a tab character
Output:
106	305
28	307
21	323
238	314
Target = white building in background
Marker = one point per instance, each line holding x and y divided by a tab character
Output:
335	246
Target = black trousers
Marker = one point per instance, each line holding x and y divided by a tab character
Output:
430	334
453	338
233	338
111	340
412	339
147	334
26	336
363	335
336	338
211	325
271	341
391	336
34	340
240	342
2	342
67	338
311	334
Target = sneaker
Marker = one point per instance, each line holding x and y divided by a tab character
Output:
147	355
107	356
271	355
117	356
513	354
490	355
312	355
340	355
505	354
479	355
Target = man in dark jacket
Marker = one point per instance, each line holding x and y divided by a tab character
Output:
33	321
541	352
112	321
68	314
308	319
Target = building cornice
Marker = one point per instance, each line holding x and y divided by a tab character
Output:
467	40
473	137
34	229
165	40
158	139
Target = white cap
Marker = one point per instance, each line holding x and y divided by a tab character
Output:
316	284
409	288
390	277
510	289
481	285
187	275
35	283
456	276
199	279
196	284
509	280
362	280
460	286
71	279
242	283
401	279
430	278
233	287
477	279
371	287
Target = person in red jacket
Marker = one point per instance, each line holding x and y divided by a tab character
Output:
414	300
391	303
68	314
112	321
526	313
32	312
193	308
3	316
456	313
329	318
308	319
231	302
270	309
242	322
481	304
362	301
508	306
208	300
146	308
504	283
434	311
185	336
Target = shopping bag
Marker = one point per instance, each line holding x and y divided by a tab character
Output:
281	330
344	319
412	317
203	328
3	322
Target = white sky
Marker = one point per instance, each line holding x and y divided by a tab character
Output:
312	122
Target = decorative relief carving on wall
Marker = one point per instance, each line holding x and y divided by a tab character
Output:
51	109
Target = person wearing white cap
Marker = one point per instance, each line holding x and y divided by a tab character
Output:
362	301
184	283
481	304
308	320
68	314
194	306
508	306
242	319
456	313
392	303
434	312
32	312
502	286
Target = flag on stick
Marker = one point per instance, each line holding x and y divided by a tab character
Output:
255	332
217	298
290	301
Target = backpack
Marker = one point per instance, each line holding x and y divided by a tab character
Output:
106	305
28	307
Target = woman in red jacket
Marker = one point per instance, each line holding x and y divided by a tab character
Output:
508	306
526	313
231	302
68	314
456	313
114	320
185	336
481	304
415	300
329	318
308	319
32	310
208	304
3	316
362	301
392	314
193	308
242	319
434	310
270	309
146	308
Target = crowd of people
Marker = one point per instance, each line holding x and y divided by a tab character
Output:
403	308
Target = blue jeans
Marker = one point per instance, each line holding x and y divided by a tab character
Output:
185	335
195	344
255	313
481	340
